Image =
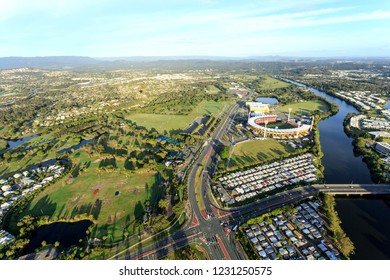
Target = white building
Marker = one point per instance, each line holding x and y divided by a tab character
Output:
383	148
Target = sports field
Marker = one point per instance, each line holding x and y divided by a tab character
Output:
279	125
304	108
252	152
172	122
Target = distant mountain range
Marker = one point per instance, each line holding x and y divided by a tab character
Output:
84	62
46	62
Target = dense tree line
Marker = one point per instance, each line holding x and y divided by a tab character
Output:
339	237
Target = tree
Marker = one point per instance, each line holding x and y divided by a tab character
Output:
163	204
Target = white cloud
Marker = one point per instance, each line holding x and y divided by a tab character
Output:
308	19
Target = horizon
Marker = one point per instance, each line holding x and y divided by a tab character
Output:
203	57
119	28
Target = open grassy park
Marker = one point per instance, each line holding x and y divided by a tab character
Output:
304	108
251	152
162	122
270	83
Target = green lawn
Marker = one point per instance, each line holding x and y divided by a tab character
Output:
207	107
305	107
212	89
68	198
172	122
251	152
279	125
271	83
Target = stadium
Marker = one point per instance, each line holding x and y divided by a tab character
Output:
258	121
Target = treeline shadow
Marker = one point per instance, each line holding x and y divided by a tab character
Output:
108	162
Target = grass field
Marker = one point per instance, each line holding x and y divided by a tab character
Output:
172	122
271	83
68	198
212	89
303	108
387	140
279	125
251	152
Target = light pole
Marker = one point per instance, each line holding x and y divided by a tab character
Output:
289	112
265	129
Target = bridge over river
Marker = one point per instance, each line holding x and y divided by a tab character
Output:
354	189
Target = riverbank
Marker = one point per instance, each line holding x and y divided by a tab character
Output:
362	222
362	144
365	222
340	239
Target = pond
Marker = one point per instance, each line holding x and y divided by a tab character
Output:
75	147
18	142
268	100
67	234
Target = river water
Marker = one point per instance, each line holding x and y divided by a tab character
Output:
366	221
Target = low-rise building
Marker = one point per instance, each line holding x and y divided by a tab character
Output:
383	148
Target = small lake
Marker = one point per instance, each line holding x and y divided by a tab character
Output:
387	105
16	143
268	100
75	147
67	234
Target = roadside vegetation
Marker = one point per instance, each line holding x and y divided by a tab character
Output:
190	252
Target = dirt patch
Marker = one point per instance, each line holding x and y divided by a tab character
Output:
70	180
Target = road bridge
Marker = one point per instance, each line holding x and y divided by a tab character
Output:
354	189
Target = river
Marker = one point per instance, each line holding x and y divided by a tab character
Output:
365	221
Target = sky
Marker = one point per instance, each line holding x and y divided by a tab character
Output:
113	28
